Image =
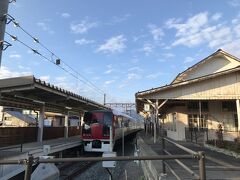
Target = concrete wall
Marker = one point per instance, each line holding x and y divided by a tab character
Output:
152	169
181	123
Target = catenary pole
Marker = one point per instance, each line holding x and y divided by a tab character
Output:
3	11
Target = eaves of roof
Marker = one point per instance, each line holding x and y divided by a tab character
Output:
187	82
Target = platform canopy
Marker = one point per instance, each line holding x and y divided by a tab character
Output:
28	92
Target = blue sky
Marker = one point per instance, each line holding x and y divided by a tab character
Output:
120	46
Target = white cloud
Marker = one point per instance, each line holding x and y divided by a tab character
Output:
108	71
219	37
132	76
147	48
109	82
5	72
136	68
154	75
168	55
191	26
198	29
83	41
15	56
237	30
134	60
216	16
83	27
65	15
188	60
156	32
44	78
115	44
234	3
119	19
45	27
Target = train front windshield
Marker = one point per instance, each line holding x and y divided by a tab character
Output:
104	118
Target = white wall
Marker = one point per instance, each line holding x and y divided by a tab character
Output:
1	113
211	66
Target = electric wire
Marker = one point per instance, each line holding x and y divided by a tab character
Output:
36	40
15	38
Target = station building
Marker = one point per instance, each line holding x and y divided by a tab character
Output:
198	100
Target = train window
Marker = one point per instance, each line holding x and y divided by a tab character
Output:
108	119
87	118
98	117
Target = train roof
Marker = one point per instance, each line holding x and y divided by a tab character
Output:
118	113
115	112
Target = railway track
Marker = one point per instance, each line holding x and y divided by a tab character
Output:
70	170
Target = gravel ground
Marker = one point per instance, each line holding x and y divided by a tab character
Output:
124	170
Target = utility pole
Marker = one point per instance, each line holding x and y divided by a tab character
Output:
104	99
3	11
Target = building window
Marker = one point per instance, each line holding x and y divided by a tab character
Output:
195	121
172	121
197	105
230	122
229	106
236	122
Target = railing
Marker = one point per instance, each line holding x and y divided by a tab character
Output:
200	156
196	134
30	161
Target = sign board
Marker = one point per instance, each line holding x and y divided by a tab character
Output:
109	164
46	149
146	107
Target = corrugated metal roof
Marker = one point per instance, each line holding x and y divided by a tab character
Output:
22	117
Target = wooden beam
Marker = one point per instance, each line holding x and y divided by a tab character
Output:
162	104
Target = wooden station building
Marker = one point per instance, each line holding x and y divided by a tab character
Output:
200	98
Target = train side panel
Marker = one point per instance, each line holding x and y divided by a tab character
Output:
96	129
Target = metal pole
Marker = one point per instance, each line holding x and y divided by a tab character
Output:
66	119
3	11
28	171
40	123
110	174
104	99
155	123
97	159
201	162
123	139
163	150
111	139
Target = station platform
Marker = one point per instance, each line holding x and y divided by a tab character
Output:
218	165
36	149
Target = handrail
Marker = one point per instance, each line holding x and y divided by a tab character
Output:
183	166
95	159
181	147
199	155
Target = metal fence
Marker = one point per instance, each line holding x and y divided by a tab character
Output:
196	135
30	161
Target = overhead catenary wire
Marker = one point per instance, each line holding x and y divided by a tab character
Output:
15	38
36	40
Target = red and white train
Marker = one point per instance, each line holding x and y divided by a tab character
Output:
101	126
